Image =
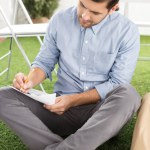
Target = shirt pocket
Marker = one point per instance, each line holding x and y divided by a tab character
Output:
103	62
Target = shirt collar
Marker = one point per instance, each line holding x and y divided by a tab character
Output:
82	28
98	26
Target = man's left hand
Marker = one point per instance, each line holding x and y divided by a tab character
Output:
62	103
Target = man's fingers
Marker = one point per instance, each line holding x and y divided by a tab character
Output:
18	81
15	84
28	85
55	108
57	100
59	113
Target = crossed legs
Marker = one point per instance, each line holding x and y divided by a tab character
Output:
85	127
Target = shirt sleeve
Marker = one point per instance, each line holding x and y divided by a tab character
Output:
123	68
49	53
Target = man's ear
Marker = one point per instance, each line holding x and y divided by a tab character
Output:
114	8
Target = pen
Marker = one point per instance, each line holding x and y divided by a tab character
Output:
27	79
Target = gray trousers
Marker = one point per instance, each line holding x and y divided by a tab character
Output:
83	127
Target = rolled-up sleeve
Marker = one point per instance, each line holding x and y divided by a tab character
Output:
48	55
124	64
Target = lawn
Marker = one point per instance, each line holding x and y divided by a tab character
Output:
141	81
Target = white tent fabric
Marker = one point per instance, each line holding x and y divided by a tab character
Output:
138	11
63	4
9	12
24	30
8	6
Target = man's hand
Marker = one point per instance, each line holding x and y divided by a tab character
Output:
62	103
65	102
24	83
19	82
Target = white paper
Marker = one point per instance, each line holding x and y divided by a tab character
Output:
40	96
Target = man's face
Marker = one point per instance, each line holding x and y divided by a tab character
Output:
91	13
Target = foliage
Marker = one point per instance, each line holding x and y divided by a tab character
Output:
40	8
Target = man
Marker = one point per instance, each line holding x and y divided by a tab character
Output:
141	135
96	50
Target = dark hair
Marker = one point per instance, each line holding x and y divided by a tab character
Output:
111	3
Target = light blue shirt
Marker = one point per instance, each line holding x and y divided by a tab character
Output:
100	57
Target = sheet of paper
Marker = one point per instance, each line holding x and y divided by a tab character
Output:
40	96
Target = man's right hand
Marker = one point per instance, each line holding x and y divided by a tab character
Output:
20	83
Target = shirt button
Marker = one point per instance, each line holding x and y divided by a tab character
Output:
83	58
86	42
82	73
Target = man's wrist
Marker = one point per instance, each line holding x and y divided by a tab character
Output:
74	99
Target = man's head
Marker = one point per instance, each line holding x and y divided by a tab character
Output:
91	12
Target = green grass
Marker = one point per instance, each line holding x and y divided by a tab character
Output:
9	141
18	63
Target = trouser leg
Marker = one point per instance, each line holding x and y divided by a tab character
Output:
141	135
34	124
118	108
23	122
